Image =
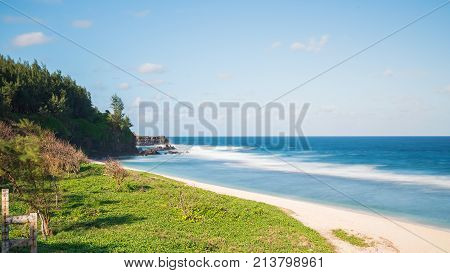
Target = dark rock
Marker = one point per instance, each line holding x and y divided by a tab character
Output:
158	149
151	140
149	152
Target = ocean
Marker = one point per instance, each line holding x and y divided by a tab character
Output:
403	177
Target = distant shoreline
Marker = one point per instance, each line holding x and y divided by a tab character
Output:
391	235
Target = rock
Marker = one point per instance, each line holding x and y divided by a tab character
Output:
151	140
157	149
149	152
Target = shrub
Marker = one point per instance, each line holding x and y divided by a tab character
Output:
28	127
32	160
59	156
116	172
6	131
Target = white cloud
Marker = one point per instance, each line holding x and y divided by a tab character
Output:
323	40
388	72
224	76
313	45
18	19
297	46
82	23
276	44
124	86
446	89
14	19
141	13
31	38
150	68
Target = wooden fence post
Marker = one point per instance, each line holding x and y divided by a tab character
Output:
5	226
33	232
7	220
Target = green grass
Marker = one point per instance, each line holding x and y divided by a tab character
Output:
155	214
350	238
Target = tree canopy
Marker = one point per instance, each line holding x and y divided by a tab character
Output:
55	101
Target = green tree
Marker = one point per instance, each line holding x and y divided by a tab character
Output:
117	116
31	161
117	108
55	101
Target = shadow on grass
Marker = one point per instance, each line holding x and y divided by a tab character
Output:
54	247
73	201
45	247
138	188
105	222
108	202
89	170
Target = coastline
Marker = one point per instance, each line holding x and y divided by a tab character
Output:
385	235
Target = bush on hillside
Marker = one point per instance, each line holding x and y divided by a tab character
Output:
114	170
6	132
31	162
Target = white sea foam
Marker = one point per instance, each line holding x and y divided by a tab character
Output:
233	156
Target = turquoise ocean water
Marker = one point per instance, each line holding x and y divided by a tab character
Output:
407	177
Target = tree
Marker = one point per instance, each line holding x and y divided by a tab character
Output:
55	101
32	160
117	108
57	104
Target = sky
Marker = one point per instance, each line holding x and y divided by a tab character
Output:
251	51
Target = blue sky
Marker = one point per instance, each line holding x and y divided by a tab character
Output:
253	51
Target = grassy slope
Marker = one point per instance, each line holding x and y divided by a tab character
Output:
155	214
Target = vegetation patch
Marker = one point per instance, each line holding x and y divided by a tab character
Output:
350	238
56	102
32	162
156	214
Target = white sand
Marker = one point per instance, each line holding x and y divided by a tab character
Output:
385	235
